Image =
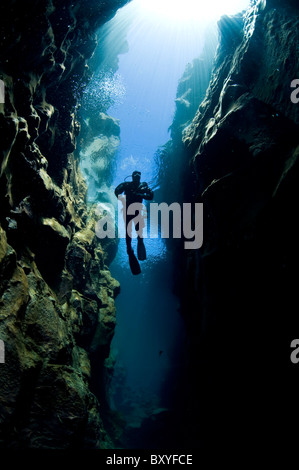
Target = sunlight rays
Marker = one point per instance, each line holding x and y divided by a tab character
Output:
191	10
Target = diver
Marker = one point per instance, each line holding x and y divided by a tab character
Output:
135	192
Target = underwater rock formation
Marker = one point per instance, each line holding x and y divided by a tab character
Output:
172	158
100	141
99	136
57	313
238	292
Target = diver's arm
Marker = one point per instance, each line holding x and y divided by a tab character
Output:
119	189
146	192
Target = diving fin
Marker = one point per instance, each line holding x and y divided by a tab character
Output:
141	253
134	265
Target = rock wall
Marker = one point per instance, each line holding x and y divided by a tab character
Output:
99	136
172	158
239	290
57	312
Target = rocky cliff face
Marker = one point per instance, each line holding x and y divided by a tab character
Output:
57	312
99	137
239	290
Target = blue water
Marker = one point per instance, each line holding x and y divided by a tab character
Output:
149	337
148	345
150	71
149	329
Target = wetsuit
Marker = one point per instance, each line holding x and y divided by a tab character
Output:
134	192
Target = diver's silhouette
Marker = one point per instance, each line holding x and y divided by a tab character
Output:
135	192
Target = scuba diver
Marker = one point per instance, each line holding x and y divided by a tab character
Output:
135	192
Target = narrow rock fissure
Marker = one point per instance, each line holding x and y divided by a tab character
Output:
142	95
195	351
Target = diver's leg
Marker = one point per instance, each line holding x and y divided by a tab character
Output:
141	252
129	244
129	235
134	265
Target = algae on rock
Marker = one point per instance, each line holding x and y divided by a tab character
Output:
53	302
